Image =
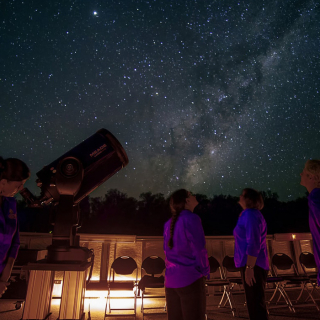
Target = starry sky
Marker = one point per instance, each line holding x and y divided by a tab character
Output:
212	96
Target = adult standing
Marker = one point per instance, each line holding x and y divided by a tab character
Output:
250	252
13	175
187	265
310	178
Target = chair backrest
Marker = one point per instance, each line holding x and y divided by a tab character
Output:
123	265
229	268
153	265
228	263
282	262
307	261
215	267
214	264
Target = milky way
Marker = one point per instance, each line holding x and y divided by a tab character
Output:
213	96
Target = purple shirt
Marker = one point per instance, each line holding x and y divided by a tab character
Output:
314	224
9	233
250	239
187	261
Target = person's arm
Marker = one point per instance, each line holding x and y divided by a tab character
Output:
15	245
15	242
197	239
251	261
3	287
249	273
5	275
11	257
314	205
253	235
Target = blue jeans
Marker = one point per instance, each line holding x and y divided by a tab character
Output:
187	303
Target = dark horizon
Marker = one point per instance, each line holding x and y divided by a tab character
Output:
117	213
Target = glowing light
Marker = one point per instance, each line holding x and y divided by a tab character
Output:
95	13
57	288
55	302
95	304
98	294
96	299
293	236
102	294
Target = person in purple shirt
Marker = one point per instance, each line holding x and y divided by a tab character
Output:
310	178
13	175
187	265
250	252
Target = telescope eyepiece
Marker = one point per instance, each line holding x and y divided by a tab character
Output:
31	200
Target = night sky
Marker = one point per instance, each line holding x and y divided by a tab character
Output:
213	96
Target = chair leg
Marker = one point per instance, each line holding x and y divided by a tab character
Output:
142	293
225	293
283	294
301	292
286	298
230	299
230	291
108	309
135	304
314	289
221	300
107	305
109	294
310	295
231	302
274	293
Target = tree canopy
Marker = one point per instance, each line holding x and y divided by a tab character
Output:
117	213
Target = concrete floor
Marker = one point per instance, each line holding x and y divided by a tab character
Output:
97	306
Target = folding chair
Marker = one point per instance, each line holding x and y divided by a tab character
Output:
288	271
309	267
121	266
231	273
277	282
152	266
217	280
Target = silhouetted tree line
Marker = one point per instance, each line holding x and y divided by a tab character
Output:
117	213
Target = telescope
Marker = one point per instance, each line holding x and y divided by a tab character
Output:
68	180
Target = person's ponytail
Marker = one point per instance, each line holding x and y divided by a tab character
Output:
177	204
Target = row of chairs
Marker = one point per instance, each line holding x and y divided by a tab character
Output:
152	269
282	276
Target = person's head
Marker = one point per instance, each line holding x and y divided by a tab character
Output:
180	200
310	176
13	175
251	199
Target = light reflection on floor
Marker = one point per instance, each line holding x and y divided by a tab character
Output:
8	311
95	302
